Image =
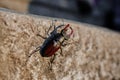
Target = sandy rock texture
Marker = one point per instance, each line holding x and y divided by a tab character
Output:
94	55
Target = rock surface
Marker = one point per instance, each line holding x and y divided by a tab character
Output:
95	55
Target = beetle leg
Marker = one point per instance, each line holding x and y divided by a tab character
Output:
42	36
51	61
49	30
53	58
37	49
61	52
69	43
64	45
52	25
29	55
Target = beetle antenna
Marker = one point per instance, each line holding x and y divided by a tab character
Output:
54	23
63	21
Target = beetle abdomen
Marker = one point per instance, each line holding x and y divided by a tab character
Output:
49	50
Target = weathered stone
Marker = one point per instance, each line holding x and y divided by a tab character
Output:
95	55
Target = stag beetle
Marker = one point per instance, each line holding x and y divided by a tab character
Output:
54	42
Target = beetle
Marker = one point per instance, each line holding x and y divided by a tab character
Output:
54	42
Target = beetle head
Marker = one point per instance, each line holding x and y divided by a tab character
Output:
67	32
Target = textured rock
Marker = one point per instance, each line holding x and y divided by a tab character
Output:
95	55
